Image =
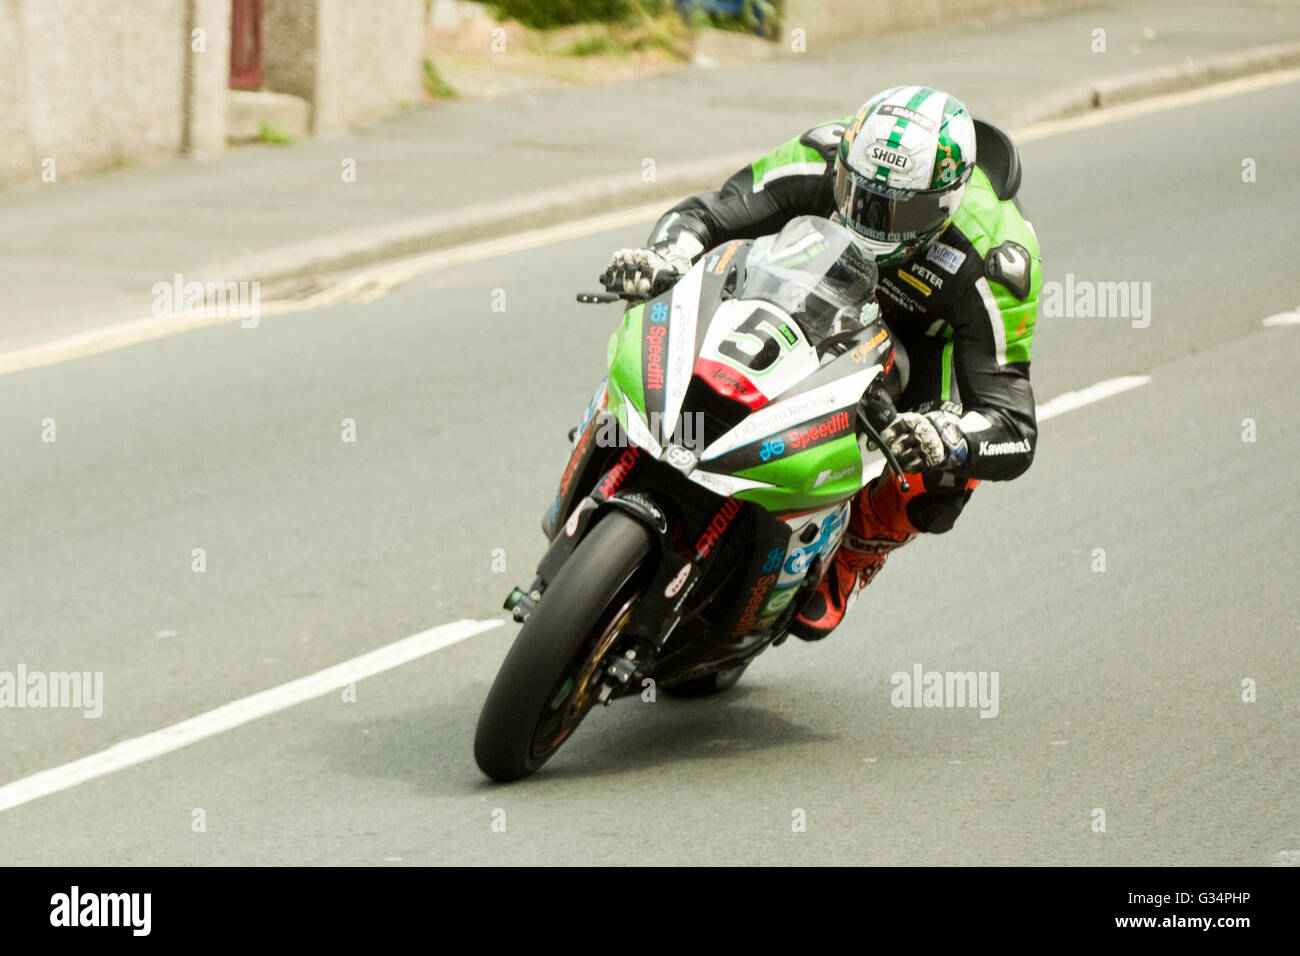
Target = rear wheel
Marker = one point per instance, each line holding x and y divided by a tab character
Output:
551	677
713	683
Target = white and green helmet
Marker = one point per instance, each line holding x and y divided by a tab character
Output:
902	168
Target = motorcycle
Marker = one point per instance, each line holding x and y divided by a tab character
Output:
708	486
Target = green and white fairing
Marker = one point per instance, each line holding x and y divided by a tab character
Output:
726	366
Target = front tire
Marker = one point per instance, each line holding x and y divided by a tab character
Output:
534	704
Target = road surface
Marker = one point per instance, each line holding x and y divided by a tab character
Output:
1120	690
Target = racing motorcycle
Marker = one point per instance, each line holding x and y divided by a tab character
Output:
708	486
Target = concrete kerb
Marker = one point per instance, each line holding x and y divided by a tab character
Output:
1191	73
357	248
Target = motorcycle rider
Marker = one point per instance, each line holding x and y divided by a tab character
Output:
959	281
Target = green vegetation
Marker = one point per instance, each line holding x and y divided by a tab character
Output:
598	44
654	35
270	133
434	84
547	14
652	16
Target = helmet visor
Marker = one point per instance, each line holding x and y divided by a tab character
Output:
889	215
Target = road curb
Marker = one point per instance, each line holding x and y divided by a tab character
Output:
352	249
1188	75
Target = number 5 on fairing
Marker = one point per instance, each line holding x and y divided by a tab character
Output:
760	326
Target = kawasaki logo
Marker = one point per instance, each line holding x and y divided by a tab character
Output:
1005	448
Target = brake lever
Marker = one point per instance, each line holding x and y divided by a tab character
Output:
883	407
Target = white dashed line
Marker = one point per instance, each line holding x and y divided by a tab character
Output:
137	750
1086	396
1284	318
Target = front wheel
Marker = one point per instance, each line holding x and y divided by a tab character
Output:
550	678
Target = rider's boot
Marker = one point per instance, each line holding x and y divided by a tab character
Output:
878	524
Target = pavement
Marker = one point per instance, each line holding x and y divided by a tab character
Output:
79	253
1121	690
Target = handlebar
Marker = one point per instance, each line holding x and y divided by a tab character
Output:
594	298
876	411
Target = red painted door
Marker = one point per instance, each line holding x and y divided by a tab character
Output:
246	45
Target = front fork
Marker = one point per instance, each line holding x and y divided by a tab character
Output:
682	564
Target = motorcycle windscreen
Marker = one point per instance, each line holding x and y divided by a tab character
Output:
812	270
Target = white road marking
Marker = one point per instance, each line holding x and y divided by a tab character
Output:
368	284
1284	318
1086	396
363	285
128	753
137	750
874	463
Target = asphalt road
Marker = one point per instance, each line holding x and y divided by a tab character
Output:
1119	691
